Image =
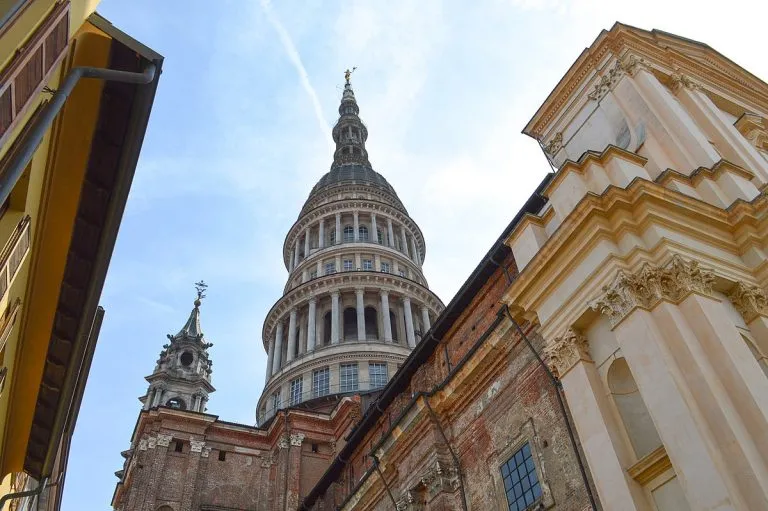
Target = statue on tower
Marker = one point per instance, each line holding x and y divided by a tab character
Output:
200	287
348	74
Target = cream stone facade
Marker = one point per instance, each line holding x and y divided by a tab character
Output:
356	301
646	270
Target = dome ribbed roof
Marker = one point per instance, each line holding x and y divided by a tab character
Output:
351	174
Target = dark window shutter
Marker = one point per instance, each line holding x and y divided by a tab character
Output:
32	67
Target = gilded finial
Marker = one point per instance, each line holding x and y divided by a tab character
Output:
200	287
348	74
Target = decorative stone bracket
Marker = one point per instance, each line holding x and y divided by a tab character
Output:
438	478
651	285
566	351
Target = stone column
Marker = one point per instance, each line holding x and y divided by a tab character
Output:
390	233
606	454
685	134
359	292
385	315
291	336
311	328
302	340
159	391
425	318
296	253
270	358
335	317
414	252
188	493
356	226
721	129
321	233
410	335
160	446
306	242
278	347
338	228
404	238
374	229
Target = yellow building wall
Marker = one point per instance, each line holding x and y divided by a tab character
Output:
53	183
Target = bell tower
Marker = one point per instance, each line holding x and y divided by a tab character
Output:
182	376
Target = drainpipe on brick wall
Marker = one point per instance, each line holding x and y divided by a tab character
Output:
384	481
558	392
456	462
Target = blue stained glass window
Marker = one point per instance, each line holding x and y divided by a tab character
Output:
521	483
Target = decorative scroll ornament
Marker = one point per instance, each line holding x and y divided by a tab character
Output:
651	285
607	82
632	64
163	440
440	478
679	81
297	439
566	351
196	445
283	442
750	301
555	144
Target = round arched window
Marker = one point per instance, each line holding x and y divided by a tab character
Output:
187	358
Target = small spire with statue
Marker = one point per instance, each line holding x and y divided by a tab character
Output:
348	74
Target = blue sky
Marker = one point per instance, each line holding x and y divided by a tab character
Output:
240	132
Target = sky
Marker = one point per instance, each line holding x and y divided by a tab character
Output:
240	132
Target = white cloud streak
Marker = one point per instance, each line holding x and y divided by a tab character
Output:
295	58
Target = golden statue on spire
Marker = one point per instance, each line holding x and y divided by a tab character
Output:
348	74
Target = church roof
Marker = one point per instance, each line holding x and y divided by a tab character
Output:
352	174
191	329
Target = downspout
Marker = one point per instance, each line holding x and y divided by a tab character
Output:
558	392
456	462
384	481
23	156
26	493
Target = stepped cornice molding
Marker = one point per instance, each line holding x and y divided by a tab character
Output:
347	281
660	51
749	300
613	215
652	284
361	205
566	351
350	190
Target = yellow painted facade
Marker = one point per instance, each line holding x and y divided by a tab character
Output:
40	218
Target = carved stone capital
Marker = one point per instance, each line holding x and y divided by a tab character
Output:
163	440
283	442
297	439
679	81
410	501
151	442
440	478
631	64
196	445
205	452
650	285
567	351
750	301
143	444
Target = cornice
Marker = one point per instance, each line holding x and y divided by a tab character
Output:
621	41
342	281
634	209
703	172
309	218
590	157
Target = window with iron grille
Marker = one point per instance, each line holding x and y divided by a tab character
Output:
330	268
296	390
321	382
349	233
521	483
313	274
363	233
348	265
385	267
367	264
348	377
377	374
